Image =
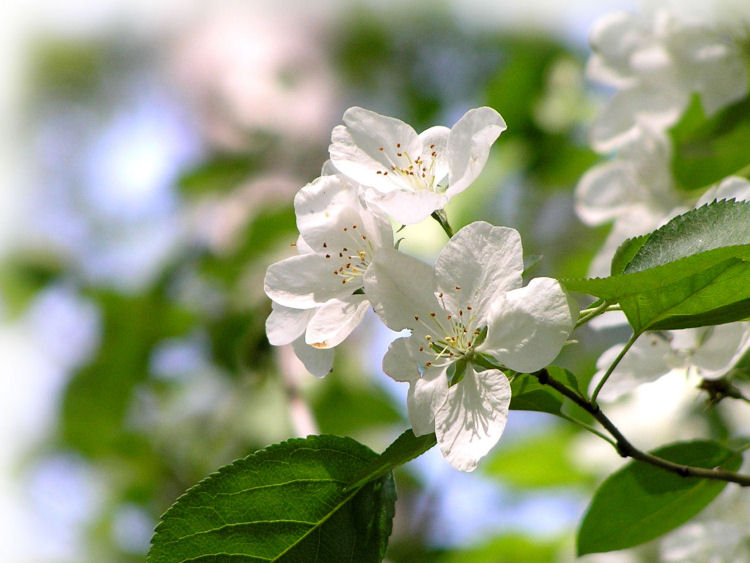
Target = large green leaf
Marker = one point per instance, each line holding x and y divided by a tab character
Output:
641	502
691	272
284	503
709	227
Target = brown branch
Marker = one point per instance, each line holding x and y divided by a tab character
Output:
626	449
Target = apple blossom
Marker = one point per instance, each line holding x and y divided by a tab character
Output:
318	292
469	307
410	175
702	353
656	61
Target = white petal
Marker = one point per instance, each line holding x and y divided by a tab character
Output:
327	208
407	207
435	141
335	320
303	282
633	108
284	325
469	145
400	361
314	202
732	187
355	146
400	287
528	326
603	192
724	347
426	396
472	418
716	68
645	361
481	260
613	38
317	362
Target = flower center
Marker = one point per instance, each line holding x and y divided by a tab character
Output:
420	173
350	261
449	336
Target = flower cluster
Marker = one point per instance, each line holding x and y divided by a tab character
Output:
655	62
471	321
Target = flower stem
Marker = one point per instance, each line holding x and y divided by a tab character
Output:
442	218
611	368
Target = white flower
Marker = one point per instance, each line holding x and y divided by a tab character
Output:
657	61
409	175
471	304
701	353
634	190
318	292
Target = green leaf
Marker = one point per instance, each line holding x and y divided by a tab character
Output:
691	272
284	503
405	448
641	502
707	150
724	223
626	252
527	394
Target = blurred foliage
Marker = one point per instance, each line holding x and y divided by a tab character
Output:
707	149
154	435
539	461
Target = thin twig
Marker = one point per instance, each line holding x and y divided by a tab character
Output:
626	449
